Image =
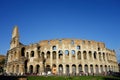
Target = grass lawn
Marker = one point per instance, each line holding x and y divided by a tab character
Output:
72	78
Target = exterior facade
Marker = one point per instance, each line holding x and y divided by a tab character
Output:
64	56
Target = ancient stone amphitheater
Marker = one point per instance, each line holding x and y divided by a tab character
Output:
60	57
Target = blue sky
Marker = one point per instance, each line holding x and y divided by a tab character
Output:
37	20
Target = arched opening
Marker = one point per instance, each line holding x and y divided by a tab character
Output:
90	55
105	68
54	69
100	56
25	67
98	48
73	54
74	69
54	48
48	54
97	69
42	55
17	69
27	54
39	54
91	69
109	68
38	48
101	68
86	68
60	54
80	68
67	52
78	47
54	55
85	55
79	55
23	51
67	69
95	55
104	56
37	68
60	68
31	69
32	53
48	68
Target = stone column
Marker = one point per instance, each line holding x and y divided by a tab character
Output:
94	69
70	55
34	68
88	68
99	68
82	55
76	56
83	67
64	69
77	71
70	67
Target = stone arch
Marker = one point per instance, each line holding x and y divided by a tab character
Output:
48	54
78	47
109	68
38	48
90	55
54	71
37	68
104	56
27	54
95	55
31	69
99	56
79	55
23	51
60	68
48	68
105	68
80	68
67	69
85	55
25	65
96	69
67	52
73	52
91	69
17	69
32	54
42	55
74	69
60	52
86	68
101	68
38	54
54	47
54	54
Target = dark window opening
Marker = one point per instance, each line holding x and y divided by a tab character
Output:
32	53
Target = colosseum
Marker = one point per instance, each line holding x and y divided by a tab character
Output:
59	57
